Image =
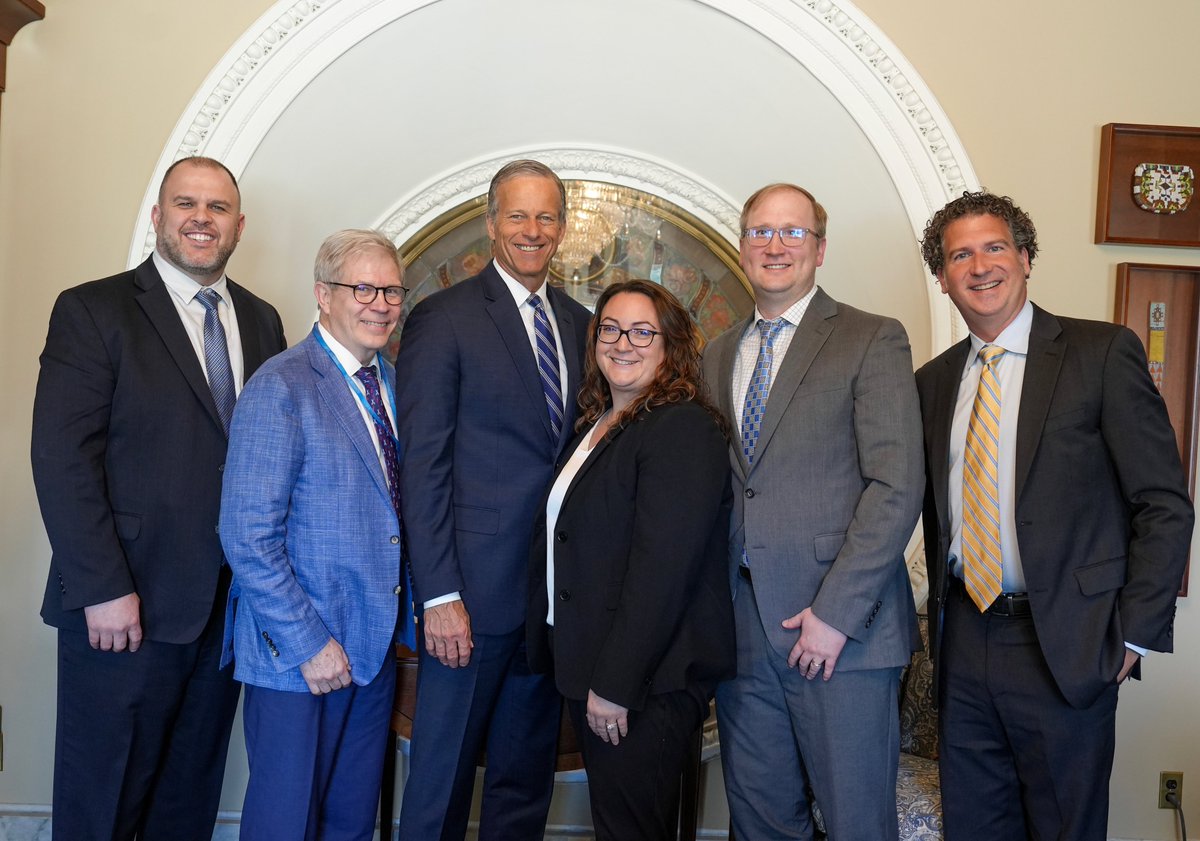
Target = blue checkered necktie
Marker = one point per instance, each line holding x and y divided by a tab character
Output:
547	359
760	385
216	357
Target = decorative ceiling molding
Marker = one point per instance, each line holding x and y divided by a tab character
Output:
294	42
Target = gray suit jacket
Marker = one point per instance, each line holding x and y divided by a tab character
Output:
826	510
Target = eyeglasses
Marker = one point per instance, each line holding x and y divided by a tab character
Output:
760	237
610	334
365	293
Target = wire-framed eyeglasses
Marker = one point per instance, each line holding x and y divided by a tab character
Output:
365	293
610	334
761	236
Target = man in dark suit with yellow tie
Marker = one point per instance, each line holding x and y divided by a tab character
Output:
1057	526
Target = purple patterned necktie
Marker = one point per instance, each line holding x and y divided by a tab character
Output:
383	431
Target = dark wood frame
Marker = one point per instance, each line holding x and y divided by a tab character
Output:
1118	218
1139	284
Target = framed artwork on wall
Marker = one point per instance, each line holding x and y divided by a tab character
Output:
1147	185
1161	304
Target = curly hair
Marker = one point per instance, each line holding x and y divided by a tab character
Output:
977	204
678	378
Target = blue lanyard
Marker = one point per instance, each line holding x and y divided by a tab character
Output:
360	392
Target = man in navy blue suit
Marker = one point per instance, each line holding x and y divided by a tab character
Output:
486	381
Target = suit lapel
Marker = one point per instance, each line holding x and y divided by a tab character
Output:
343	407
155	301
248	332
812	332
507	318
1041	376
941	418
726	402
591	460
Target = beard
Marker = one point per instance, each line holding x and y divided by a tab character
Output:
171	248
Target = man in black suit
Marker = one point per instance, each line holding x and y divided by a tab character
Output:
1057	527
486	380
130	422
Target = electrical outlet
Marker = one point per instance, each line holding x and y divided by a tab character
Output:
1169	782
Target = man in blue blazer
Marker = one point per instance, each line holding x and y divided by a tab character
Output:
309	522
1041	605
486	381
128	445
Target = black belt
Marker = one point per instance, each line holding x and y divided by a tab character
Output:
1006	604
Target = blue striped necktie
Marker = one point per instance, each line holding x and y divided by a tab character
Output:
216	357
547	360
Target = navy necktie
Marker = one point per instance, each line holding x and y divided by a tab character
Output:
547	359
216	357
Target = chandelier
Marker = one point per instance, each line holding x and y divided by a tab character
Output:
594	218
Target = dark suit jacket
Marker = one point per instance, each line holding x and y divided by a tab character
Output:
1104	521
128	451
476	445
642	593
835	489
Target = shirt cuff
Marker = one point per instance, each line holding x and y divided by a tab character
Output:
446	599
1137	649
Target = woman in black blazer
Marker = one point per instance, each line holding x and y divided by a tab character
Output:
630	605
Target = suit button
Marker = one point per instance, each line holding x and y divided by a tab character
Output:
395	539
561	537
749	493
266	636
274	653
564	595
220	468
399	589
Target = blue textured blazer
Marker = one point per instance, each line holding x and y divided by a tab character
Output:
307	525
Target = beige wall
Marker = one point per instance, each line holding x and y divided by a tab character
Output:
95	90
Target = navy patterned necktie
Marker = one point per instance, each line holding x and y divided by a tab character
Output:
547	359
760	386
383	431
216	357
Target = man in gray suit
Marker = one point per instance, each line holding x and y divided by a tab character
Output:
827	479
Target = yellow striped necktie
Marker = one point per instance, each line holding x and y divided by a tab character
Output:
982	569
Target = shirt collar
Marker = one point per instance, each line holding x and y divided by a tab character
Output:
1014	338
519	292
791	315
349	361
184	285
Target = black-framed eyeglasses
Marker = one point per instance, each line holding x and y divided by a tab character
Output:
761	236
365	293
610	334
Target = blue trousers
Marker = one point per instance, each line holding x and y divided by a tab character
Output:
316	761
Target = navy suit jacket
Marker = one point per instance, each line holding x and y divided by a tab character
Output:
308	525
128	451
478	450
1104	522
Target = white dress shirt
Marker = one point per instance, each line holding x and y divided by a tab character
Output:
748	345
183	291
351	365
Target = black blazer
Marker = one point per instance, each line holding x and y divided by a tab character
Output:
1104	521
128	451
641	544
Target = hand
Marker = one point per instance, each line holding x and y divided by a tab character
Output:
448	633
819	646
1131	658
115	625
328	670
607	720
